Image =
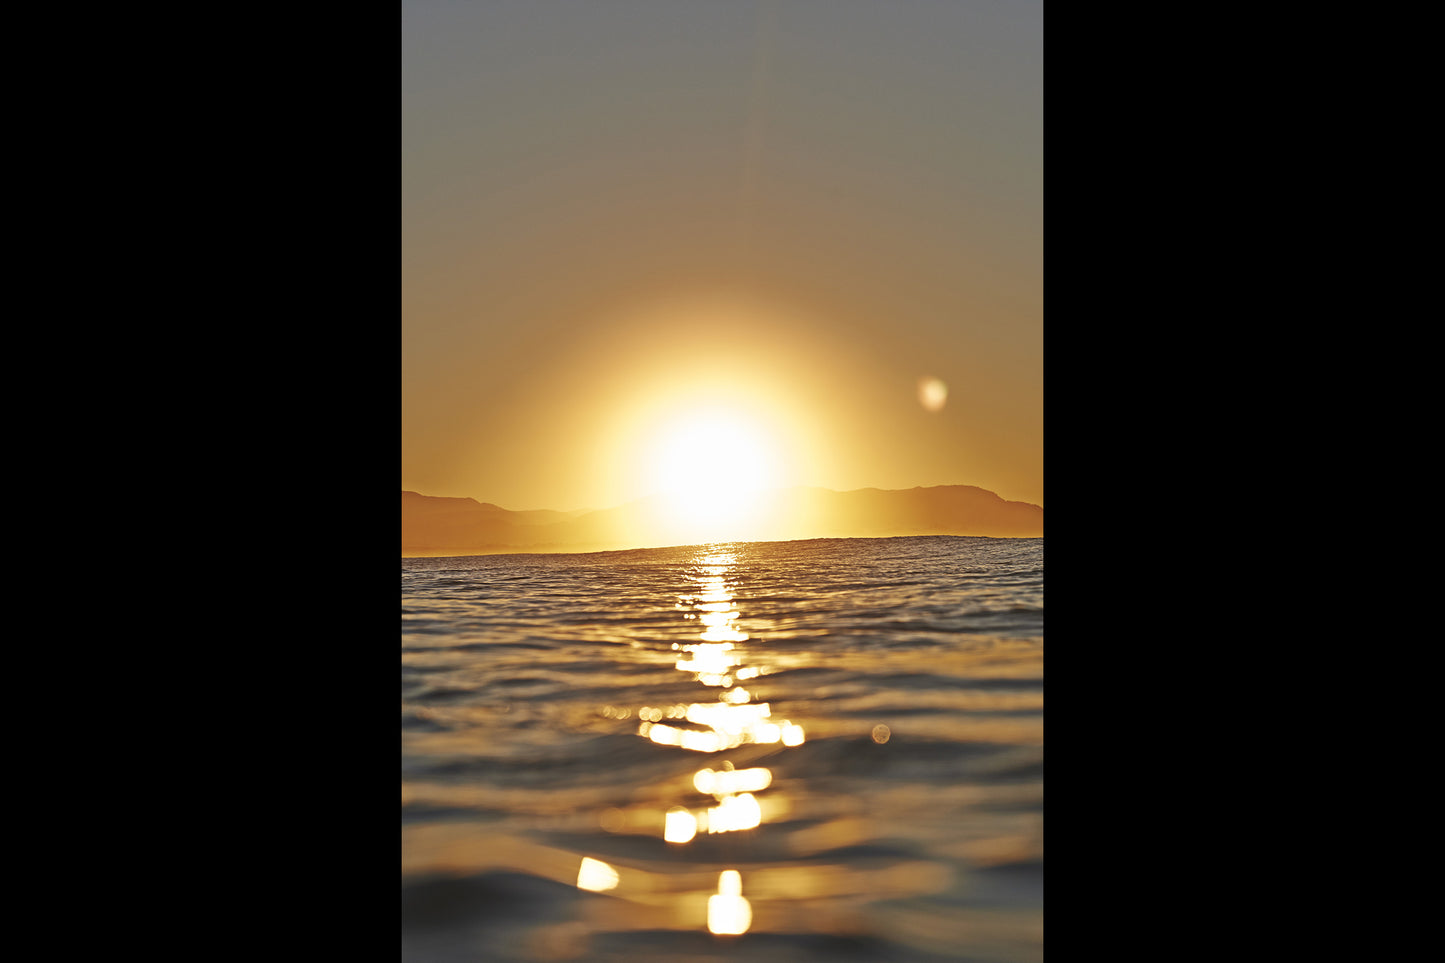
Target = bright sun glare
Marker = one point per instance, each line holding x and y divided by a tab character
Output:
711	465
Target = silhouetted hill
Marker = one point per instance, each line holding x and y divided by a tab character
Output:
941	510
432	525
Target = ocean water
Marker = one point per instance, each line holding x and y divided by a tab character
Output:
828	749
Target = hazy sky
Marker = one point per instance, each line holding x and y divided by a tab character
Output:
620	216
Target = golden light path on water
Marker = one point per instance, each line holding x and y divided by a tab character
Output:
729	720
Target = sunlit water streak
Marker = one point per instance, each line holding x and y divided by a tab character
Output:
782	750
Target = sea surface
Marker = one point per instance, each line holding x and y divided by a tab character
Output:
828	749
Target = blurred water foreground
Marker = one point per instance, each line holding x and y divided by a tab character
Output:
828	749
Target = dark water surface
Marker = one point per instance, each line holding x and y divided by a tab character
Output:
827	749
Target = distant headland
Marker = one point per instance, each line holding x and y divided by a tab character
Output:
434	525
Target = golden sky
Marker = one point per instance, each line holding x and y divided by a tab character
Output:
739	236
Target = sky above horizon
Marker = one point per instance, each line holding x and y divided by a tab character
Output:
771	242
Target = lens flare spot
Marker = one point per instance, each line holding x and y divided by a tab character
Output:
932	393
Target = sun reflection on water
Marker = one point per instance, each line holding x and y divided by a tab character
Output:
732	781
731	722
728	912
718	660
710	662
680	825
596	876
734	812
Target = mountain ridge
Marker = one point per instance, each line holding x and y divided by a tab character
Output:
441	525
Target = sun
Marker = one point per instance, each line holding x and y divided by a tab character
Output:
710	467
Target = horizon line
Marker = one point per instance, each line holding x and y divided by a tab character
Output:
776	488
